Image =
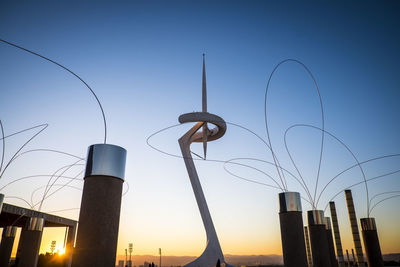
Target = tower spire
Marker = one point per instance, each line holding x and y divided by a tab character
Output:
204	106
204	86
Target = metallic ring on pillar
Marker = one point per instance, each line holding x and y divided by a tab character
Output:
36	224
328	224
289	201
315	217
10	231
368	224
107	160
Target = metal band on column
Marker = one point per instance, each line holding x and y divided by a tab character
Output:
371	242
291	221
96	242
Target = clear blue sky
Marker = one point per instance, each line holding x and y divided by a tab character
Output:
143	59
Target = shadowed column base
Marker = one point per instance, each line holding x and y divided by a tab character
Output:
371	242
6	244
96	243
293	243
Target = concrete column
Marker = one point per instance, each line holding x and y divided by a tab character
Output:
338	242
319	240
331	246
6	245
96	243
291	220
31	243
354	228
69	245
308	247
371	242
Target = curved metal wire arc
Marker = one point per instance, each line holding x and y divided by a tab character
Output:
59	185
353	185
27	142
253	168
253	181
24	130
383	201
322	113
70	71
48	188
262	140
200	158
347	148
66	169
220	161
127	188
37	176
353	166
160	131
384	193
16	220
10	135
55	191
271	163
314	206
20	198
48	150
170	154
230	123
181	157
4	146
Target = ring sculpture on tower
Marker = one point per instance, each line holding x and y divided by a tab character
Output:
213	252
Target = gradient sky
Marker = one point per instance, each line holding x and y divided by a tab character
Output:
143	59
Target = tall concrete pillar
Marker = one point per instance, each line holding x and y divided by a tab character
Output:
69	245
331	246
291	220
371	242
319	240
354	228
308	247
338	242
96	242
6	245
30	245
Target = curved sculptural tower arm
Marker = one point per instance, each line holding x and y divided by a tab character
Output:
213	251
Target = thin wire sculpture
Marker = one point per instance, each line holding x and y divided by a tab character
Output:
70	71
